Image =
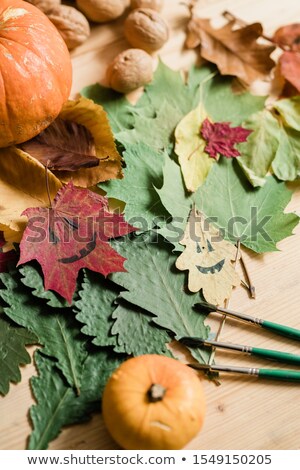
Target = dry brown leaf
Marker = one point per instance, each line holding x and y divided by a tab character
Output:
235	51
22	185
85	112
208	258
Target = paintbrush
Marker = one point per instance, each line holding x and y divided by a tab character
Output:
288	358
205	307
276	374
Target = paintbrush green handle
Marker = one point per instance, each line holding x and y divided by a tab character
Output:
286	375
276	355
281	329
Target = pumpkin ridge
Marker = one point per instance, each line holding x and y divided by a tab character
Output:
5	108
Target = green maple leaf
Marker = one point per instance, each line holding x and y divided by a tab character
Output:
13	340
116	105
56	331
57	404
135	332
222	104
157	130
95	308
260	149
154	285
32	278
254	216
143	171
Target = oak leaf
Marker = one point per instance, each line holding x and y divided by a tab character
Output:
208	258
235	51
221	138
70	235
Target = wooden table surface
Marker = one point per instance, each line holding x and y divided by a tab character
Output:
242	413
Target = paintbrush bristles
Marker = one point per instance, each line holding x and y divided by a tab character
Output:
205	306
192	341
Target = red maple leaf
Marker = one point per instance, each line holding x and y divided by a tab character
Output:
221	138
70	235
6	258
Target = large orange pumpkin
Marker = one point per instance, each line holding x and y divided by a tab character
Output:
35	72
153	402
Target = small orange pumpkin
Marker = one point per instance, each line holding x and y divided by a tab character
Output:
153	402
35	72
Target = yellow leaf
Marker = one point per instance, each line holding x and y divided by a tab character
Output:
94	118
194	161
22	185
208	258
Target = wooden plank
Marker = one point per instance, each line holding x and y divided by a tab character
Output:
241	413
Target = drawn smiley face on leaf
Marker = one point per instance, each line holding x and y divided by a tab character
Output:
208	258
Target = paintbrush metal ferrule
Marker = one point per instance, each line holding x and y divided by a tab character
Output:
274	374
270	354
195	342
214	308
232	369
277	328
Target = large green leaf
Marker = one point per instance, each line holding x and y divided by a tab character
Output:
56	331
260	149
135	332
154	285
95	308
255	216
13	340
57	404
143	171
222	104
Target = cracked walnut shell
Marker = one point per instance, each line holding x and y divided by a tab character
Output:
146	29
130	70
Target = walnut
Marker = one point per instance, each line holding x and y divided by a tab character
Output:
130	70
153	4
45	5
146	29
101	11
72	25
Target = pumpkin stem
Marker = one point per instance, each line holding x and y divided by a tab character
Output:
156	393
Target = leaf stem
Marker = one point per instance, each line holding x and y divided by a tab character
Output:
47	184
251	287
